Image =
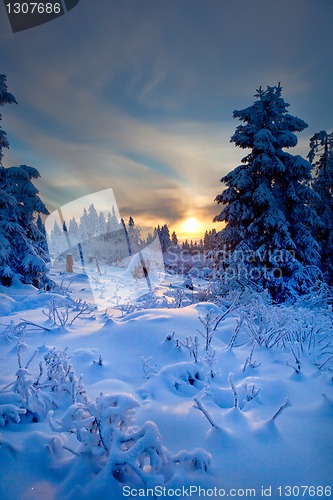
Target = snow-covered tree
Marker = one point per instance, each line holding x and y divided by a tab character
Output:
21	254
84	225
112	223
41	237
5	98
149	239
268	204
101	224
56	240
321	157
92	221
25	258
210	239
164	236
74	231
8	223
134	235
174	239
186	246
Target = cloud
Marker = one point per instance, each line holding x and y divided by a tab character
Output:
141	99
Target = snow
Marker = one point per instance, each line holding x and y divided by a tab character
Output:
242	416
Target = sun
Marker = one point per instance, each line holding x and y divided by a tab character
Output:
191	225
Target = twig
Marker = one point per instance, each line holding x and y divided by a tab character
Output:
35	324
31	358
230	308
280	410
233	388
205	412
324	363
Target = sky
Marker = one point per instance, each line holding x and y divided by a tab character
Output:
138	96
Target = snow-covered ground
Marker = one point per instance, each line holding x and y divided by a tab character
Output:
240	396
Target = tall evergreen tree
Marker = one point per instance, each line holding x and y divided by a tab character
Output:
210	240
84	225
134	235
92	221
321	158
41	237
268	202
27	257
21	255
112	224
164	235
174	239
5	98
101	225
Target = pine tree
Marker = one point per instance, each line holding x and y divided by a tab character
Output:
57	246
186	246
74	239
84	226
101	225
27	257
210	240
5	98
149	239
8	223
201	246
22	257
74	231
174	239
41	237
321	158
112	224
164	235
268	202
92	221
134	235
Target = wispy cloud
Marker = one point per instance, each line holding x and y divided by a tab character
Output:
141	99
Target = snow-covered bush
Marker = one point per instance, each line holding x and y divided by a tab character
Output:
61	376
105	430
10	408
295	330
34	396
196	460
29	396
62	311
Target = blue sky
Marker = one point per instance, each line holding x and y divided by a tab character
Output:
138	95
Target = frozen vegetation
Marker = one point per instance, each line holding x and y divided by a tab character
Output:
231	393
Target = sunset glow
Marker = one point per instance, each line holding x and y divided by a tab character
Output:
191	226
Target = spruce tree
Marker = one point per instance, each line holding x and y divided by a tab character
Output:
5	98
134	234
27	256
22	256
174	239
164	235
321	158
268	204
